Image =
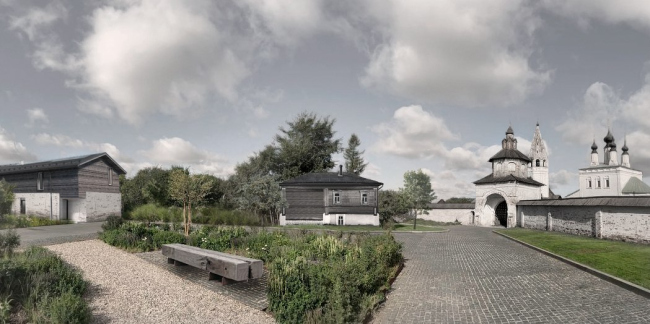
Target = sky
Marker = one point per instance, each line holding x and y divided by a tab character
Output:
429	85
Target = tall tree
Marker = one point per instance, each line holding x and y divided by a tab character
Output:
263	196
305	146
188	190
354	163
418	192
391	203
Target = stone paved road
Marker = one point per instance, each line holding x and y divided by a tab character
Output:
57	234
471	275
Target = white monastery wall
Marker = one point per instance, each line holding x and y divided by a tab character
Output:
464	216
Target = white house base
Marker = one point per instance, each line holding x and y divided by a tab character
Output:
333	219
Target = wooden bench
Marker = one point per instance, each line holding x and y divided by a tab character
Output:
222	266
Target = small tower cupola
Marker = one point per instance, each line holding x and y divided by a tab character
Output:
613	156
539	161
510	142
609	139
594	154
625	157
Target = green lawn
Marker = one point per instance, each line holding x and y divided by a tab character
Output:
362	228
627	261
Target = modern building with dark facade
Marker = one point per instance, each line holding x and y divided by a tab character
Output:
79	189
330	198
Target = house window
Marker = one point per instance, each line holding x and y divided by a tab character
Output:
340	221
606	182
364	198
597	182
337	197
23	206
39	181
589	183
110	177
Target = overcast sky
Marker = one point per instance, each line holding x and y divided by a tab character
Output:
424	84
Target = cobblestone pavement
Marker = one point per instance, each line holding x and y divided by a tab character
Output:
471	275
251	293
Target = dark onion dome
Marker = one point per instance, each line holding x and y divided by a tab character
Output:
612	146
625	149
609	137
594	147
510	131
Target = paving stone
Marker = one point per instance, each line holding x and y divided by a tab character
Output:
251	293
471	275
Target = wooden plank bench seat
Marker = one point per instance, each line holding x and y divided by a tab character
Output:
221	265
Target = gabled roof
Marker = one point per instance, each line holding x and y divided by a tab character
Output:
510	154
66	163
509	178
625	201
330	178
636	186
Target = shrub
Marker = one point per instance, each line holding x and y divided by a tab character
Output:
155	213
165	237
8	242
217	216
112	222
44	286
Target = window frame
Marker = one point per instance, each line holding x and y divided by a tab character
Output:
606	182
336	197
110	177
364	198
598	183
39	181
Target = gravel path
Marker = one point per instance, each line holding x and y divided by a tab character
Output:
127	289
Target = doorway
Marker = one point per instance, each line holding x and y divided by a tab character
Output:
23	206
502	213
64	209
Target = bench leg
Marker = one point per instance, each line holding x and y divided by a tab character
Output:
224	280
170	261
179	264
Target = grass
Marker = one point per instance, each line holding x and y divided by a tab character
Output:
627	261
19	221
366	228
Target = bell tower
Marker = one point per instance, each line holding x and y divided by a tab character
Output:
539	158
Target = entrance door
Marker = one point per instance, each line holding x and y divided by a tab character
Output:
23	206
340	220
502	213
64	209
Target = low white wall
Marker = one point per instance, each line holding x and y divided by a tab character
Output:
464	216
357	219
100	205
40	204
615	223
332	219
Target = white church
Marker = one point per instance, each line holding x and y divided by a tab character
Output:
519	177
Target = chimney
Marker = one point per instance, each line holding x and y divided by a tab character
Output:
340	170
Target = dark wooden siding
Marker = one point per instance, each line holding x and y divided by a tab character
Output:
304	204
64	182
351	201
94	177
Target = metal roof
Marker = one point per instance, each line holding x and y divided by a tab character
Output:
510	154
636	186
330	178
509	178
56	164
591	201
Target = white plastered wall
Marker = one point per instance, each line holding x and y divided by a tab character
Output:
42	204
332	219
464	216
100	205
511	193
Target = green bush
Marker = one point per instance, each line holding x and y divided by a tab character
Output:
166	237
218	216
8	242
112	222
155	213
21	221
43	286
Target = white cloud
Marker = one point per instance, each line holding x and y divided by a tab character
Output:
412	133
469	53
601	104
446	185
372	171
12	151
58	140
563	177
177	151
635	12
36	115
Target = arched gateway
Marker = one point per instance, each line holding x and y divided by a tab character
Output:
513	178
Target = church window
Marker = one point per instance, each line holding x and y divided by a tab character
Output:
544	163
537	163
589	183
511	166
606	182
597	182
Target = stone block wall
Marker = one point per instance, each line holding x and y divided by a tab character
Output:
42	204
609	222
100	205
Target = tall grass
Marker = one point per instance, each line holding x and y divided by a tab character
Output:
20	221
206	215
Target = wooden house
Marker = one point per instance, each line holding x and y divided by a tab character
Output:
80	189
330	198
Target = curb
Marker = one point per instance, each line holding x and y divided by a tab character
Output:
602	275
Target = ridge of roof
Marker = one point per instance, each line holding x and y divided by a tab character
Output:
510	154
70	162
330	178
492	179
